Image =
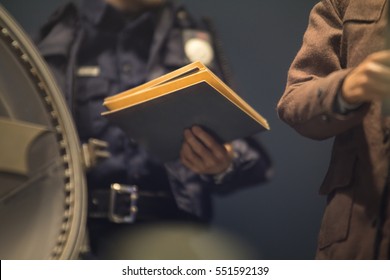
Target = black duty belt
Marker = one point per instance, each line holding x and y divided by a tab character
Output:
126	204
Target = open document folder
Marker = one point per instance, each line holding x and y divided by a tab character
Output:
155	114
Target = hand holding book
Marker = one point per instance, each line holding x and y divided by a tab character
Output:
202	154
157	113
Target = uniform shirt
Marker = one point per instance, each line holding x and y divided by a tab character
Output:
113	57
98	52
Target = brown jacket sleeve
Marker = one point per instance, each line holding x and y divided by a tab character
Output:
315	78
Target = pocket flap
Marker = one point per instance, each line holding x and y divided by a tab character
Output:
95	88
364	11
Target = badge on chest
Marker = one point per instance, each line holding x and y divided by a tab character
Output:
198	46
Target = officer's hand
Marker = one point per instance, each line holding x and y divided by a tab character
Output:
203	154
370	80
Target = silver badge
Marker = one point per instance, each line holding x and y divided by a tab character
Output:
198	47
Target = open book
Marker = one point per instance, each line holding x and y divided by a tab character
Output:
156	113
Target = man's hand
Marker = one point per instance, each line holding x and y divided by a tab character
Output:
203	154
369	81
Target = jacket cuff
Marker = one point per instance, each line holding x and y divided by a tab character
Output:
343	107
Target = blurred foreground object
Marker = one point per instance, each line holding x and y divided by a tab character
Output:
42	185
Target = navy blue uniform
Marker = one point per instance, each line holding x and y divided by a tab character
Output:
96	52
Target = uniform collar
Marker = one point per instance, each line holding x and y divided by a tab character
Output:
100	12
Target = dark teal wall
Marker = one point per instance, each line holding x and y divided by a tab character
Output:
280	220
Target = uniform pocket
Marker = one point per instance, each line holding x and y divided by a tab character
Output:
338	186
92	88
91	92
336	219
364	11
362	25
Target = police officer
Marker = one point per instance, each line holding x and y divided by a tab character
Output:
106	47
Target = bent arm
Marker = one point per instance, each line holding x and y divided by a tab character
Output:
315	79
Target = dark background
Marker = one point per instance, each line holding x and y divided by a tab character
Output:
280	219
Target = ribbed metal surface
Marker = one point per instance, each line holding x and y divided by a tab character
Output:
52	224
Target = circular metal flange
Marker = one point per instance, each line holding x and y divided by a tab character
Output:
42	183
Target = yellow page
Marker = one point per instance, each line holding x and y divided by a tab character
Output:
155	82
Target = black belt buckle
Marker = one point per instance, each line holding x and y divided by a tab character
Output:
132	192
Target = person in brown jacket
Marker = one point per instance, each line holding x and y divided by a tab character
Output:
336	86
